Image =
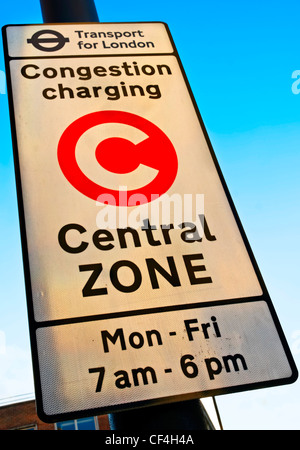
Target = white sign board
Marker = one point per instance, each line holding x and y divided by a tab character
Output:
142	288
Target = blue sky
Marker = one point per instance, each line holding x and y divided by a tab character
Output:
239	58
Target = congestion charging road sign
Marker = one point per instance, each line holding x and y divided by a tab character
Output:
142	288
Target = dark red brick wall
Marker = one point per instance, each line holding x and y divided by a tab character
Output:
23	414
103	422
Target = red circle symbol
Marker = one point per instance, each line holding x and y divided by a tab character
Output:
120	156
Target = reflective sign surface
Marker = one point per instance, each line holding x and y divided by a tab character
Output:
142	287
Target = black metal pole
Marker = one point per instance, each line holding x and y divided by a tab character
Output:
60	11
187	415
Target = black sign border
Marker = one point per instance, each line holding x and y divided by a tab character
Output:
33	325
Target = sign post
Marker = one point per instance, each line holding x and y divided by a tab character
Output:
55	11
142	287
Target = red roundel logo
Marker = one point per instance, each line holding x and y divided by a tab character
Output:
120	156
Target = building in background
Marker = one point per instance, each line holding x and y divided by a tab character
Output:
23	416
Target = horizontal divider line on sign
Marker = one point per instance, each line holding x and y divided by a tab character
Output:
139	312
